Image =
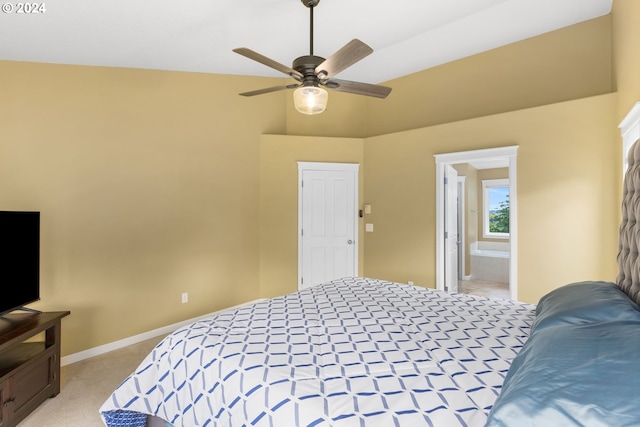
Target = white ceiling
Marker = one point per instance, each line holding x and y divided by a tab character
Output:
199	35
498	162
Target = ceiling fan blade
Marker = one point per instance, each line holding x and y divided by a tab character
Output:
348	55
268	62
268	90
359	88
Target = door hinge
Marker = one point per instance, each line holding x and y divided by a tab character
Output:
446	181
446	234
301	281
301	232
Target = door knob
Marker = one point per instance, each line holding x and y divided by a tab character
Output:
349	242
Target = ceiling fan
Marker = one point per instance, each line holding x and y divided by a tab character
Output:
313	73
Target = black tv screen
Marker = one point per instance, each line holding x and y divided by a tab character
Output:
19	259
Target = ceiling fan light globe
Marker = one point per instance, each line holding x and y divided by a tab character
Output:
310	99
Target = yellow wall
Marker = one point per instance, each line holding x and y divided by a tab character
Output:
156	183
345	117
567	153
626	53
567	211
570	63
148	186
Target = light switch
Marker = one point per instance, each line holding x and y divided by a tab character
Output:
367	209
368	228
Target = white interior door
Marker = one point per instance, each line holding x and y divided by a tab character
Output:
327	224
451	229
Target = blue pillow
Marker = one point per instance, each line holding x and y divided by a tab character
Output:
579	366
573	375
584	302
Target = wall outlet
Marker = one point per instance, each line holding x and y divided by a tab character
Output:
185	297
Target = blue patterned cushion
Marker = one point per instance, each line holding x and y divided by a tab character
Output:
125	419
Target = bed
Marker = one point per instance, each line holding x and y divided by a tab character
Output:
355	351
367	352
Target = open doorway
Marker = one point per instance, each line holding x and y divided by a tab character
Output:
497	168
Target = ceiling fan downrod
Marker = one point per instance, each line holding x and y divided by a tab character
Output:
310	4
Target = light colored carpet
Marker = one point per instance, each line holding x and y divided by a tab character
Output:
86	385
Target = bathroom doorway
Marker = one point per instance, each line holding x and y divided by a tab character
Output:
487	257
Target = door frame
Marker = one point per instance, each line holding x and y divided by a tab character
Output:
450	221
321	166
462	217
510	153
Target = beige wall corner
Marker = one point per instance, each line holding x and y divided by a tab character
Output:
570	63
626	60
148	186
565	154
345	117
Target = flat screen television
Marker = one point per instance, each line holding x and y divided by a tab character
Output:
19	259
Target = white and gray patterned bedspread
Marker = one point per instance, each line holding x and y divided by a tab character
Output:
353	352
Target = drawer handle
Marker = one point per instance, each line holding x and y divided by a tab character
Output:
12	400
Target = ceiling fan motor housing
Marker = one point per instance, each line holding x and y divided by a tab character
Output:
306	65
310	3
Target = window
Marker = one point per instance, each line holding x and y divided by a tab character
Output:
495	218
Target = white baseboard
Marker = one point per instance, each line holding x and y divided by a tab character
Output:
166	330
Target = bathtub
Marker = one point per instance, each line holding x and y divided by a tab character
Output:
490	261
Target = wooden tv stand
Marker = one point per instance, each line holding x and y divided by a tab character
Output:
29	367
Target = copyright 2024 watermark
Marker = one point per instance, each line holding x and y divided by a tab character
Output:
24	8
